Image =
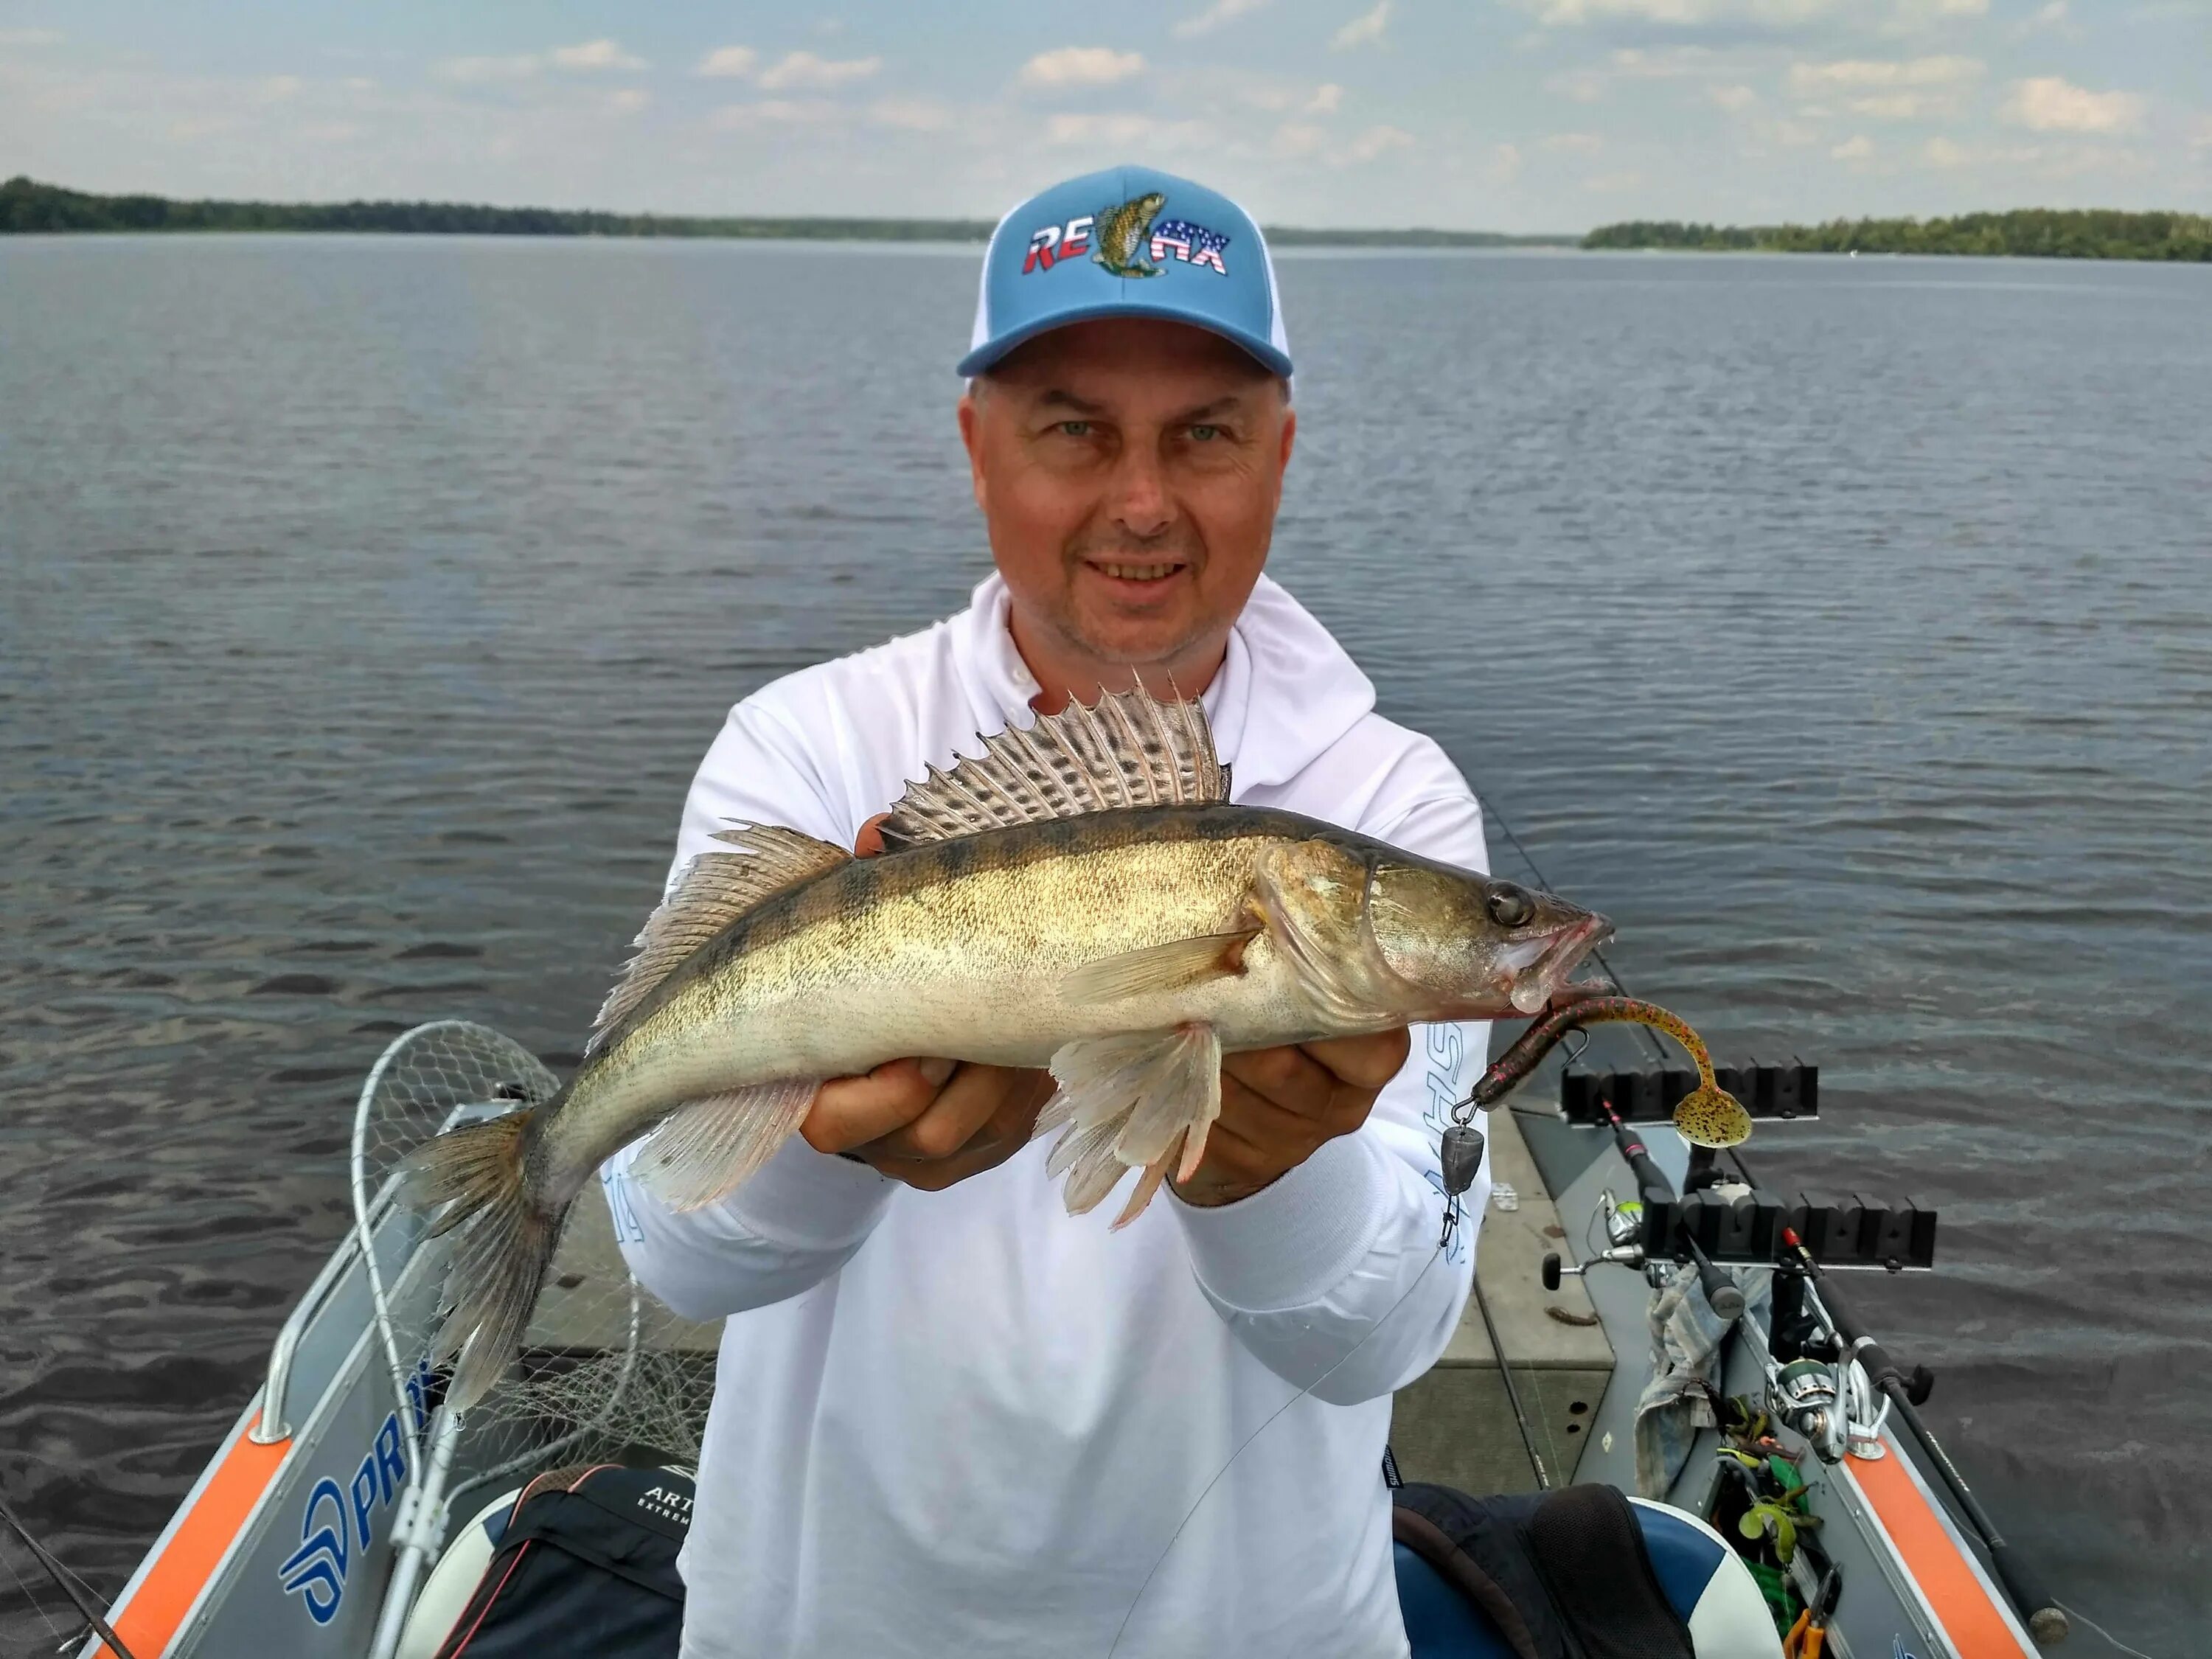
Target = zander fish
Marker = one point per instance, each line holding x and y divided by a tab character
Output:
1119	235
1082	895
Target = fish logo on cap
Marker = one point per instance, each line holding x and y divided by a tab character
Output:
1121	233
1118	238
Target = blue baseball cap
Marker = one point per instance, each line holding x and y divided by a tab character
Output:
1127	242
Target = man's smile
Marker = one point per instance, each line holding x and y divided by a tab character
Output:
1136	578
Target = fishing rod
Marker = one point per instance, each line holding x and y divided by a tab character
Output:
2047	1622
62	1576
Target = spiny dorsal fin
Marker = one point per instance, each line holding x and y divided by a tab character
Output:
714	889
1127	749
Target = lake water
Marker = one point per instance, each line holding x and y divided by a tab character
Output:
1840	628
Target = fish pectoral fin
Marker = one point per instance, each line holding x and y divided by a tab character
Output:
1170	967
709	1147
1125	1101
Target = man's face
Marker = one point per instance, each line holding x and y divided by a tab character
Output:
1128	469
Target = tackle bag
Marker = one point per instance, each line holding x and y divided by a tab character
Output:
1558	1575
586	1566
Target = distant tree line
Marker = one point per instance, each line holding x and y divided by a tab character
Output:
2040	233
26	205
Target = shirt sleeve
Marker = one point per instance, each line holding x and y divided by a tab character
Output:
1337	1276
804	1214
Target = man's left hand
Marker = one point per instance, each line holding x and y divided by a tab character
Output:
1279	1105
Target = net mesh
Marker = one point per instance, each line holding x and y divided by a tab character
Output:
606	1368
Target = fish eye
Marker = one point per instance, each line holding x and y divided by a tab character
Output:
1509	907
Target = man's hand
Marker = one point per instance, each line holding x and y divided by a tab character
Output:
1279	1105
928	1122
932	1123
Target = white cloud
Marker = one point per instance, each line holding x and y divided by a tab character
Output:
1365	30
1575	143
728	62
30	37
1505	163
1732	97
1918	16
1328	98
277	89
774	113
1591	85
591	55
803	71
472	70
2048	103
1906	106
1126	131
1607	183
1854	150
1220	12
2045	17
911	114
1679	13
1295	139
1081	66
596	55
1811	79
1942	152
1377	142
628	100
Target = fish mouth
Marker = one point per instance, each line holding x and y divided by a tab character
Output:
1536	982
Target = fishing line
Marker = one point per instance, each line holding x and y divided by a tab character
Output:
1450	1209
61	1576
1450	1215
1489	805
2076	1612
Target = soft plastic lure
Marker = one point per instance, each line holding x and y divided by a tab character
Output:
1707	1116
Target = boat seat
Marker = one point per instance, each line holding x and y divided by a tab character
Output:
1703	1581
449	1584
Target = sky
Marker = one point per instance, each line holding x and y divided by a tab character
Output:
1517	115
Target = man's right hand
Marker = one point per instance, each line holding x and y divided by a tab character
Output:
930	1123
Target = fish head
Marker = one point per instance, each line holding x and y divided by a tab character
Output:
1480	947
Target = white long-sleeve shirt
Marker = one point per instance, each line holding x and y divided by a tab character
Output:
967	1423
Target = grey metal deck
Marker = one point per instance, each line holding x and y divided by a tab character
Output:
1455	1425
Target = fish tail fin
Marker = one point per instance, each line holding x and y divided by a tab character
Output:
504	1242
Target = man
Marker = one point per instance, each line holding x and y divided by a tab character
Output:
950	1418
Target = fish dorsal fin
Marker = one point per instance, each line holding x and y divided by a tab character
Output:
1129	748
714	889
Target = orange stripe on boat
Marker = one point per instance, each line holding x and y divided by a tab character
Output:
196	1549
1948	1579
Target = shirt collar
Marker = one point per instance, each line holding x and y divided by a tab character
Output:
1285	692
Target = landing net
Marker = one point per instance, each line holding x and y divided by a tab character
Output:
604	1369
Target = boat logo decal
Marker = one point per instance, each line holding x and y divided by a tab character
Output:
1446	1053
338	1524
